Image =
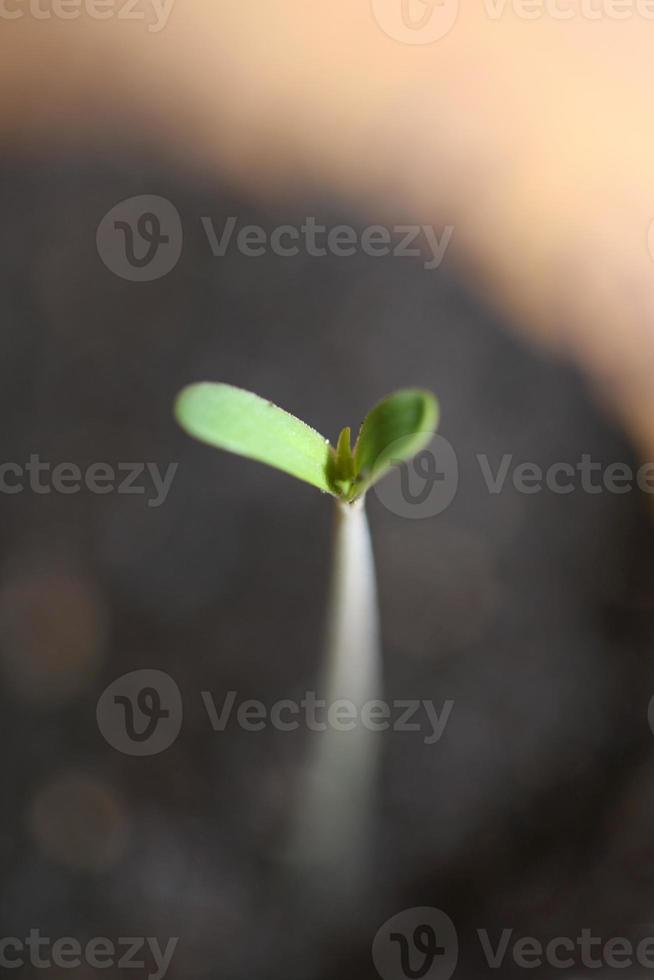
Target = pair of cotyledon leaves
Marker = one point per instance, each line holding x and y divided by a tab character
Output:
236	420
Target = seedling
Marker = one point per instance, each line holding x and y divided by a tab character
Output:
230	418
332	826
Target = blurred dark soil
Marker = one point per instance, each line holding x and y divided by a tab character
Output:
533	613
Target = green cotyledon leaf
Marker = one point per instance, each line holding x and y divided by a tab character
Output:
241	422
395	430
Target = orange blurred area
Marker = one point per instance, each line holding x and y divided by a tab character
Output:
525	124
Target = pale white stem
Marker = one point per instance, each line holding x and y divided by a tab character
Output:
337	806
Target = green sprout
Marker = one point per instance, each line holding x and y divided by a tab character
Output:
236	420
332	829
